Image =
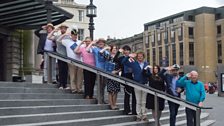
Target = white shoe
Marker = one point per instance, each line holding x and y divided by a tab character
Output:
61	88
67	88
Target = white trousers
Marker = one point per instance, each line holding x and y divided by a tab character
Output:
140	102
53	68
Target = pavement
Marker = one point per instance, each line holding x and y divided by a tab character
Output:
217	113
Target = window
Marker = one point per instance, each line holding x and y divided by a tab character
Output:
166	37
191	18
219	29
148	55
191	53
172	36
81	34
167	54
179	31
81	15
154	56
159	38
147	41
217	16
191	32
179	19
153	40
219	51
174	53
66	1
160	56
181	53
180	34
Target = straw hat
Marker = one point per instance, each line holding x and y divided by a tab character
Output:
63	25
50	25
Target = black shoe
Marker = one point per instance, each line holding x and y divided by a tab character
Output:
104	102
54	82
134	113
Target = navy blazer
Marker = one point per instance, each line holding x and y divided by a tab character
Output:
137	71
169	90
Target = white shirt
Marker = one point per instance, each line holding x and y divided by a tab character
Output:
48	45
141	64
70	52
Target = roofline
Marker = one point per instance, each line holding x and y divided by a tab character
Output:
196	11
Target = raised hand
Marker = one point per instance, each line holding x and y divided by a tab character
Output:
188	75
44	27
107	48
94	42
132	55
131	60
121	50
169	68
148	67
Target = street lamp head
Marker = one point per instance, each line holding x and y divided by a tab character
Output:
91	10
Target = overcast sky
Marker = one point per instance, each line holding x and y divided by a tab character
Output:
124	18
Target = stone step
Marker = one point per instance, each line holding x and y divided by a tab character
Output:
39	96
35	118
84	122
10	107
31	90
204	116
45	102
208	123
26	85
122	120
51	109
163	120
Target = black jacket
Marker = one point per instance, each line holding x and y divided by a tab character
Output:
42	34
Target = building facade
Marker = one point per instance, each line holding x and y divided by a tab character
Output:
16	40
79	20
194	39
135	42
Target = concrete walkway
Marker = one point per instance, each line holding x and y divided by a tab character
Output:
217	113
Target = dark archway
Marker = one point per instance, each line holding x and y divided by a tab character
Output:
3	55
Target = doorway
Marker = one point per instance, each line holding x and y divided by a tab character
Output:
3	58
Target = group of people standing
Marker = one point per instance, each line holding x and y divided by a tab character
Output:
119	62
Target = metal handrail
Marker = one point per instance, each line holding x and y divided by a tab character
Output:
128	82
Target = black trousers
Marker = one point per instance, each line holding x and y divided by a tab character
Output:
89	82
173	107
191	117
129	92
63	73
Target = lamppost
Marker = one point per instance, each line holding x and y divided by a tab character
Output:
91	13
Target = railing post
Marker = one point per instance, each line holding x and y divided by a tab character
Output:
156	106
198	119
98	88
49	69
